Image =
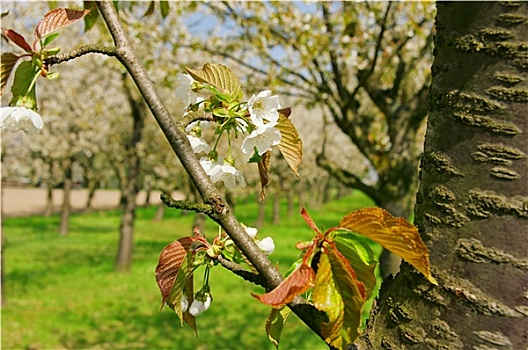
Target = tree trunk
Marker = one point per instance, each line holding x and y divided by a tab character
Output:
92	187
160	211
473	195
261	215
276	208
131	180
66	205
48	210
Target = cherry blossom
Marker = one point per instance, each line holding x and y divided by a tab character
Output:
20	118
264	106
198	306
251	231
184	303
262	139
228	174
198	144
266	245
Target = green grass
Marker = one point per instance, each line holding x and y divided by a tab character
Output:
62	292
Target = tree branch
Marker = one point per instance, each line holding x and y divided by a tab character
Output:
186	205
240	271
181	146
81	51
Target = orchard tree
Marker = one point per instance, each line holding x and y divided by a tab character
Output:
366	63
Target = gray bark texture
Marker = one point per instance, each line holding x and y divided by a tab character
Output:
472	203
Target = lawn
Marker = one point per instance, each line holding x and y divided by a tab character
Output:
62	292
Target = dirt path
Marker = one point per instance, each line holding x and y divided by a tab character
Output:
31	201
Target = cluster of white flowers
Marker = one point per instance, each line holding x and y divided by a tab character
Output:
266	245
261	127
197	306
20	118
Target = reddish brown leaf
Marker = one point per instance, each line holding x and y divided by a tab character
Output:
396	234
170	261
8	61
263	167
17	39
297	283
56	19
309	221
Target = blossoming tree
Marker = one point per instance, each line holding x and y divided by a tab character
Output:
335	266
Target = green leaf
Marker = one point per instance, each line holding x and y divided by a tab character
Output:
357	251
275	323
49	39
25	74
164	7
219	76
57	19
291	144
396	234
338	293
90	18
183	279
8	61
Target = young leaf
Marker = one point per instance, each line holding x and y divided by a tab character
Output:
307	218
57	19
361	258
170	261
295	284
164	8
17	39
291	143
49	39
22	83
338	293
396	234
263	167
92	16
275	323
219	76
8	61
183	284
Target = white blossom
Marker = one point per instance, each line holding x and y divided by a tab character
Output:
264	106
263	138
266	245
198	306
20	118
184	303
198	144
251	231
228	174
207	164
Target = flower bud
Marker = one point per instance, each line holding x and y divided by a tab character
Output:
184	303
266	245
251	231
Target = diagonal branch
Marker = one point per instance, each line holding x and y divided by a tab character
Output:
180	145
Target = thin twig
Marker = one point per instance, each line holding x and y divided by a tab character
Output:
81	51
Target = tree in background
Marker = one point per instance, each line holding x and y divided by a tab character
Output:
473	195
366	63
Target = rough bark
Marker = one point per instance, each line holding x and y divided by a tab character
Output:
64	225
473	195
130	188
